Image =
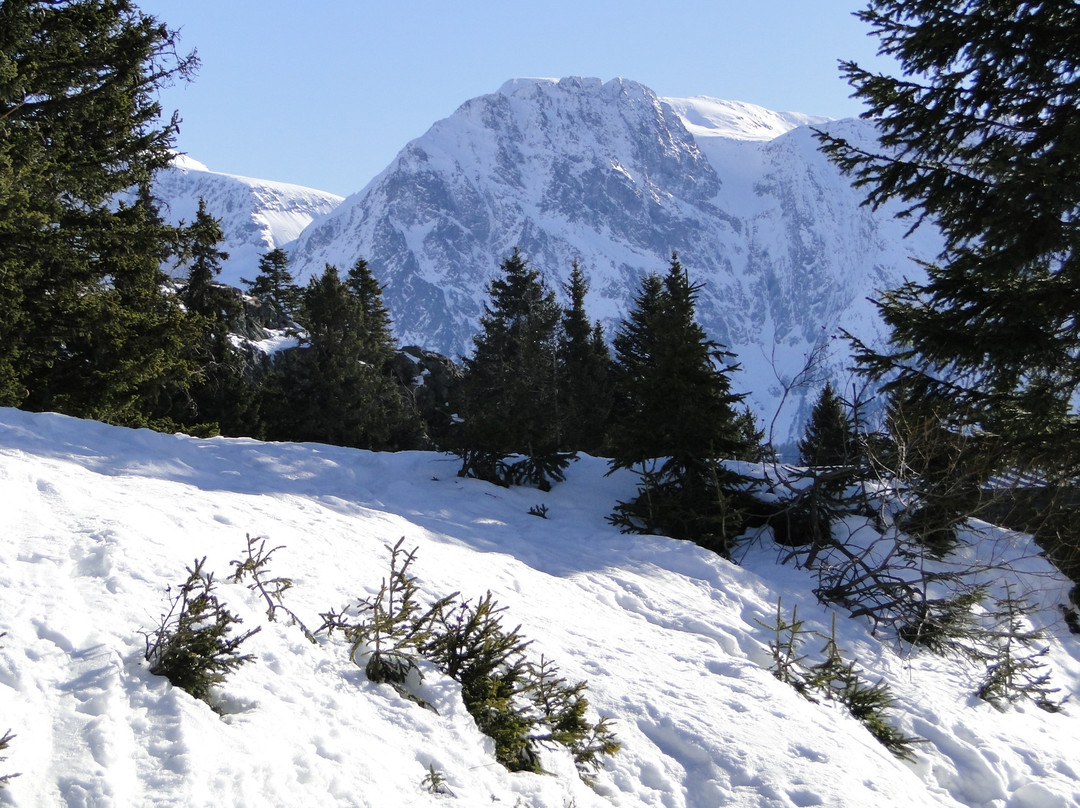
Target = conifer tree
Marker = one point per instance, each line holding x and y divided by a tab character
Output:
755	448
143	346
978	133
376	325
509	388
585	385
223	398
675	417
79	125
334	390
830	438
203	257
274	284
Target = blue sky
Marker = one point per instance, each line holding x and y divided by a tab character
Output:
325	94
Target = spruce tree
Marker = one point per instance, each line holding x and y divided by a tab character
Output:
203	258
830	438
223	398
585	385
509	388
79	125
144	342
376	334
978	135
275	285
675	418
334	390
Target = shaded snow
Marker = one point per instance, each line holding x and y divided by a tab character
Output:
98	521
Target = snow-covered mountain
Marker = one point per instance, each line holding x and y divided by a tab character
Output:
617	178
256	215
97	521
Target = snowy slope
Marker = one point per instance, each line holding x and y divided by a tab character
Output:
612	175
97	521
256	215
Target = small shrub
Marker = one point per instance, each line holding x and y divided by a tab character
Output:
520	706
561	710
788	662
5	741
539	510
1016	671
471	647
391	628
271	589
947	625
840	680
837	680
435	782
192	647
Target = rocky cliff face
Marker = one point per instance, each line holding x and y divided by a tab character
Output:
610	175
617	178
256	215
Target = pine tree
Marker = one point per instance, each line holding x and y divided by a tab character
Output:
978	134
275	285
675	417
79	125
143	345
379	344
509	388
223	398
830	438
334	390
585	385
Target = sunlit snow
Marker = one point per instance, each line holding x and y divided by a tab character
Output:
98	521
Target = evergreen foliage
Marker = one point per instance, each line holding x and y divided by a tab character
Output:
255	565
674	418
336	390
584	383
508	394
376	332
194	647
472	648
392	629
1016	669
939	470
5	742
435	782
946	625
222	396
836	680
521	706
978	133
79	125
754	447
830	438
561	710
275	284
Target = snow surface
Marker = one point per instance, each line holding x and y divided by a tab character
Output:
256	215
97	521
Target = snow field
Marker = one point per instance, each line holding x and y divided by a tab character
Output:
97	521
